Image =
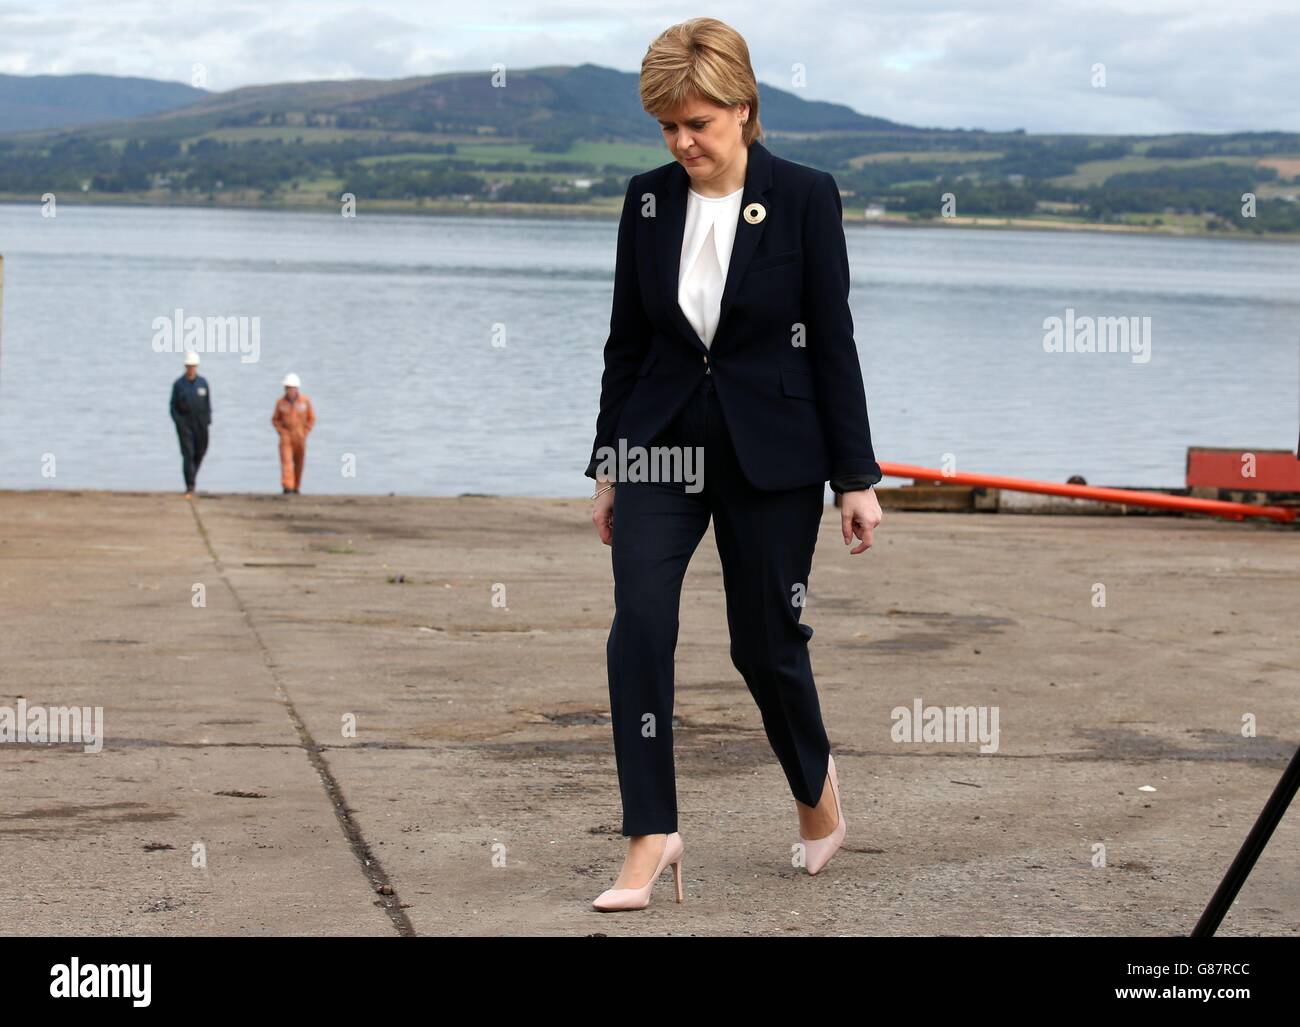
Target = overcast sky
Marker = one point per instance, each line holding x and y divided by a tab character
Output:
1170	65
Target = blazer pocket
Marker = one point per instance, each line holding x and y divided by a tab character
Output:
797	383
648	363
775	260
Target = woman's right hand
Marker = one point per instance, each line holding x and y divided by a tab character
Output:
602	515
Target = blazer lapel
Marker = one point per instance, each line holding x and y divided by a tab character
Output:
671	223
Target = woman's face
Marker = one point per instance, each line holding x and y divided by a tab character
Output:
704	138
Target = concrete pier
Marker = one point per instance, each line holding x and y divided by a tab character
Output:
377	716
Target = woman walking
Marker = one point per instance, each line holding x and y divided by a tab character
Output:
730	352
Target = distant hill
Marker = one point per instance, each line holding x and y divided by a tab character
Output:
36	102
562	138
555	104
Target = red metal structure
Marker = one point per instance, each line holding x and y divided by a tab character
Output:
1271	470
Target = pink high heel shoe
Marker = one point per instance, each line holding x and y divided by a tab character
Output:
613	899
818	851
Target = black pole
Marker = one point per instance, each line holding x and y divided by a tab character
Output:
1250	850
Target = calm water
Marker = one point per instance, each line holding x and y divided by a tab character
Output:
389	321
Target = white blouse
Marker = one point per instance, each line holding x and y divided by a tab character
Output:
706	251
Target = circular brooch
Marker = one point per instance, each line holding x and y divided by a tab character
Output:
755	213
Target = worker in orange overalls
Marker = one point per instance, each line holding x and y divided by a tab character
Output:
294	418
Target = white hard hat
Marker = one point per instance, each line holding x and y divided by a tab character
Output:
291	379
191	359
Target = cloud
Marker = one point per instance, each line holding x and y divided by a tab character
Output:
1171	65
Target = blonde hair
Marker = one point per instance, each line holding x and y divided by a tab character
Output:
702	59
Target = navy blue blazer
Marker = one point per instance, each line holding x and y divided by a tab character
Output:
783	359
191	401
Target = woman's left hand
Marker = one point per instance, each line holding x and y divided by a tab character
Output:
859	516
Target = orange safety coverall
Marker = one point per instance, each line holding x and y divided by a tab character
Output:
293	420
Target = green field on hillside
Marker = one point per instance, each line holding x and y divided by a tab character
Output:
1097	171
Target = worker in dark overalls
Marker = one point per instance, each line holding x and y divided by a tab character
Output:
191	409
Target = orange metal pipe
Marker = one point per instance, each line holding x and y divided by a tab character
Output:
1130	497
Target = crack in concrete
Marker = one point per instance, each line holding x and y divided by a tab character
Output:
370	864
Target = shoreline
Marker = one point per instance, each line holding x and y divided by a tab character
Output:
589	213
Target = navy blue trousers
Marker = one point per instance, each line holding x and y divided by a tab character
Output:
193	437
765	543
